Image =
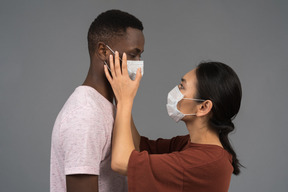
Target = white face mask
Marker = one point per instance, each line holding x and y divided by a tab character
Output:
132	66
174	96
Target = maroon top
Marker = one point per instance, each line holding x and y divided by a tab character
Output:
178	165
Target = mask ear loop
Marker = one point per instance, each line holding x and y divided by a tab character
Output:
105	63
190	114
193	100
113	53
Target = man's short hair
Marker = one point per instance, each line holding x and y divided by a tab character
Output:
110	24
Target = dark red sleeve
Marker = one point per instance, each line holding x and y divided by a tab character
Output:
161	146
149	173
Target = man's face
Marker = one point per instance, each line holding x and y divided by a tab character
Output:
132	44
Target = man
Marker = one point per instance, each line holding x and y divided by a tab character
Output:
81	137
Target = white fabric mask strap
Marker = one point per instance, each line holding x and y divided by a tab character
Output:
107	66
190	114
112	51
194	99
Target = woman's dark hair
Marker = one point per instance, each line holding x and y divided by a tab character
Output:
109	24
219	83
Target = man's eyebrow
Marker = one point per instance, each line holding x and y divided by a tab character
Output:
137	50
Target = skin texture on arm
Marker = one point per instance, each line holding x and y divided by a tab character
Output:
83	183
135	135
122	142
125	90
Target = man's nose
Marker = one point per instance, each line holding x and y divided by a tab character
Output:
138	58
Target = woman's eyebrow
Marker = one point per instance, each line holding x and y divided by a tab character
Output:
183	80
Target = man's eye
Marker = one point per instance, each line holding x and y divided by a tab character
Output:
132	55
181	86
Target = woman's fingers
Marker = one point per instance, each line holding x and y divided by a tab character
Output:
117	64
124	65
107	74
112	66
138	75
116	68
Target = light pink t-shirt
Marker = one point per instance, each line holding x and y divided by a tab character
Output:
81	141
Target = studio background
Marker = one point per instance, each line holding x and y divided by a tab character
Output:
44	57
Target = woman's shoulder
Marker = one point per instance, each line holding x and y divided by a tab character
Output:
196	155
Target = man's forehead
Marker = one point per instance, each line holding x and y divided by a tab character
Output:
129	43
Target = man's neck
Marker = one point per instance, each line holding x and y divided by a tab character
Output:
97	80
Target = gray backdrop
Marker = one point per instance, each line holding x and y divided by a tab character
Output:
44	57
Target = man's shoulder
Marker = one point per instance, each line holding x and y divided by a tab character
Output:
82	109
83	101
86	97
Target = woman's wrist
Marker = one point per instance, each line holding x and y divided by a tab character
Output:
125	103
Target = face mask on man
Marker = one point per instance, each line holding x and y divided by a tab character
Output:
132	66
174	96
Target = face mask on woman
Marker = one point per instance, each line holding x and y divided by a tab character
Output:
174	96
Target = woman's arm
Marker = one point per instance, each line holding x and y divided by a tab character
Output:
125	90
122	141
135	135
161	146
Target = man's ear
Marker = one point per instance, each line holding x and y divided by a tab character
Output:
101	51
204	108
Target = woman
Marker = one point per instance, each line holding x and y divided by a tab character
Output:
207	100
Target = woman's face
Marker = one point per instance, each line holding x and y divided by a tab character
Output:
188	89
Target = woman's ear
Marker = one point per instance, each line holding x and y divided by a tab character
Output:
204	108
101	51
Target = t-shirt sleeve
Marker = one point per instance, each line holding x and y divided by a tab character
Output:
161	146
83	138
154	172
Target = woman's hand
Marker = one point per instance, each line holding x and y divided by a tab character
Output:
123	87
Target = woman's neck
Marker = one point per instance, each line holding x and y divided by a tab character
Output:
202	134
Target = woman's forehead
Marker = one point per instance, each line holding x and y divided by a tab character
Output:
190	77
